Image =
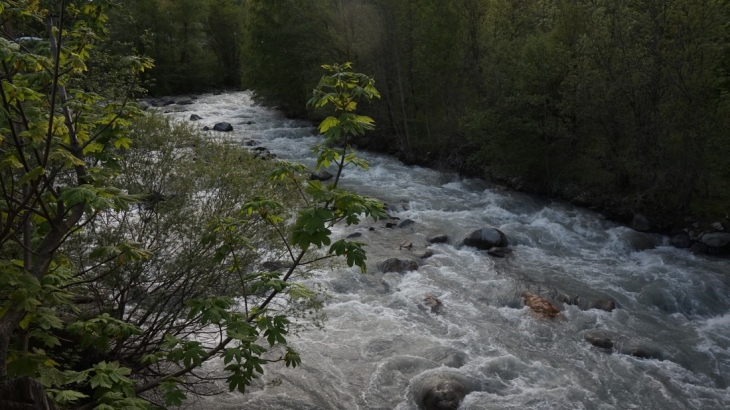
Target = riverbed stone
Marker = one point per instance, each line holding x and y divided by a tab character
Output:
446	395
486	238
438	238
680	240
195	117
642	351
639	241
640	223
698	248
540	306
599	339
223	127
423	254
716	239
397	265
499	252
600	303
321	175
405	223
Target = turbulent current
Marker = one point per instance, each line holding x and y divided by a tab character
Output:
382	348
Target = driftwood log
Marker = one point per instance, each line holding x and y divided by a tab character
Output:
24	394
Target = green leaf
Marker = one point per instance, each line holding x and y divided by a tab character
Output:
68	396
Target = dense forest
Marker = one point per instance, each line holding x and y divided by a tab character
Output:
105	275
617	103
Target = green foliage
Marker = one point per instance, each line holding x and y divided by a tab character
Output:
625	99
285	42
193	42
58	160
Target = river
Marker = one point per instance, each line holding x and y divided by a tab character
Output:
382	349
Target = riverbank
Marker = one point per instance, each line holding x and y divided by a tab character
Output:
686	231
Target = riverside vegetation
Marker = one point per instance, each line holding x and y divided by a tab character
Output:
621	104
132	249
121	238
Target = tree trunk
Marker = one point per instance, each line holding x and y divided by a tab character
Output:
24	394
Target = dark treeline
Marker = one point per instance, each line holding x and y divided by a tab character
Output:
618	102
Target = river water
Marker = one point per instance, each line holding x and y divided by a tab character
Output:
383	349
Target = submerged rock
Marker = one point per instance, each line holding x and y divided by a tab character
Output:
599	339
433	303
642	351
499	252
639	241
600	303
439	238
640	223
486	238
397	265
583	302
680	240
407	222
446	395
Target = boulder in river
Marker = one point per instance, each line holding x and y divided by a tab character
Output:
407	222
433	303
600	303
486	238
540	306
605	340
639	241
438	238
195	117
397	265
641	351
640	223
321	175
446	395
223	126
680	240
698	248
716	239
599	339
584	302
423	254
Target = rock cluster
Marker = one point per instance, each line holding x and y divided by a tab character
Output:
700	238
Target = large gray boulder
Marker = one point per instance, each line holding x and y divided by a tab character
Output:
223	126
486	238
716	239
